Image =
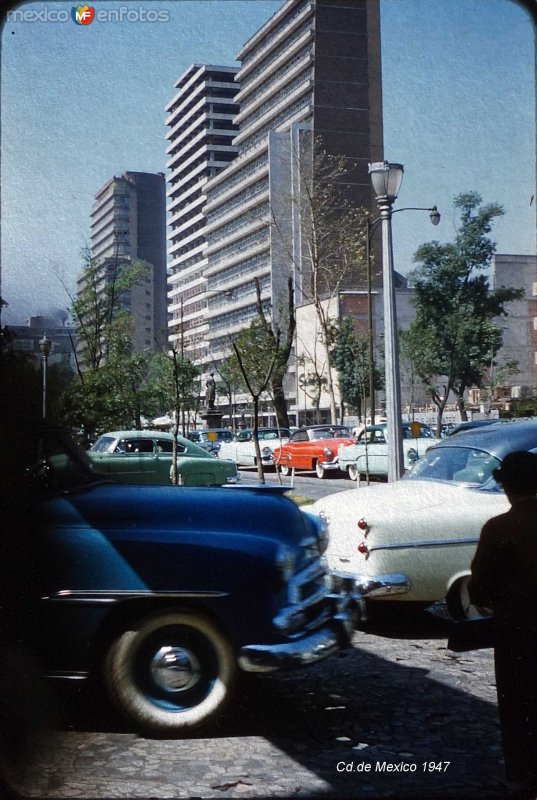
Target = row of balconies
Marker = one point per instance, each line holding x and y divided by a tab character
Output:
253	195
274	33
275	90
205	89
299	99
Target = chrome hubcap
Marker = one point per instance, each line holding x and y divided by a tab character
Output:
175	669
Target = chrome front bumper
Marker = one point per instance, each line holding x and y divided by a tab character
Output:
309	649
330	464
367	586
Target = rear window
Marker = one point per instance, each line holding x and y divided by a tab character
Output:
165	446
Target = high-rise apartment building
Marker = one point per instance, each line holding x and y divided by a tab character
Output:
128	224
311	72
201	130
519	342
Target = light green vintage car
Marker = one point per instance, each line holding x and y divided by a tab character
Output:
370	452
146	457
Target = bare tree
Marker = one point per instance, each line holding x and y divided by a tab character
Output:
333	241
280	344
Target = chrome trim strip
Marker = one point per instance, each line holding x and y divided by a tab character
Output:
424	544
67	676
106	597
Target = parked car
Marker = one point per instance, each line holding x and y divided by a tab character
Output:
147	456
461	427
369	454
242	449
314	447
211	438
413	540
163	594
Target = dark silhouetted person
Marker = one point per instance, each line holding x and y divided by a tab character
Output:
504	579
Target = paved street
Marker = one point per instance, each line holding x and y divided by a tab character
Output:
305	484
397	716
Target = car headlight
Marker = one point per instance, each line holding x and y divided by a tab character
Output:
267	452
320	522
285	562
328	453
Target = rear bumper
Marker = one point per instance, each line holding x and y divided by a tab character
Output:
309	649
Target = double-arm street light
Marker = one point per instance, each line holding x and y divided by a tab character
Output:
386	181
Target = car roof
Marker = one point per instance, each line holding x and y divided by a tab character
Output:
461	427
208	430
328	426
144	434
265	428
497	439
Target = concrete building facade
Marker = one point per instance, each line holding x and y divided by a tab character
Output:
128	224
520	326
313	70
201	130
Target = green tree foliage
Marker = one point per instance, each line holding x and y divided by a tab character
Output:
114	386
232	378
350	353
455	333
256	360
98	308
312	381
179	380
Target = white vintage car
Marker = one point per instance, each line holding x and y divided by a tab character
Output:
370	453
242	449
413	540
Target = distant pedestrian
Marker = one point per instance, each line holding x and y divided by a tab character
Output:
504	579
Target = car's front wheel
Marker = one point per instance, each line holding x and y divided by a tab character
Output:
284	469
320	470
171	673
352	471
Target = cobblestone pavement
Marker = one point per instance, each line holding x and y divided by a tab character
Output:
397	716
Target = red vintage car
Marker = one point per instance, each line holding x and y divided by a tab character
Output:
314	447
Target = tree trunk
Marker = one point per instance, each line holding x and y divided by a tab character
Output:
330	385
280	403
260	470
461	406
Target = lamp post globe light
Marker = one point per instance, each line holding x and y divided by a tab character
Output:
386	181
45	345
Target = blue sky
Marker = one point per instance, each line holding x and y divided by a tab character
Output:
83	103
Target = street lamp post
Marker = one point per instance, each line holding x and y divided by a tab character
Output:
45	345
386	181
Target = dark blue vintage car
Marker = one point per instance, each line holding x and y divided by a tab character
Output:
164	593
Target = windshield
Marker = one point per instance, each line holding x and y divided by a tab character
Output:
103	444
466	465
330	433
